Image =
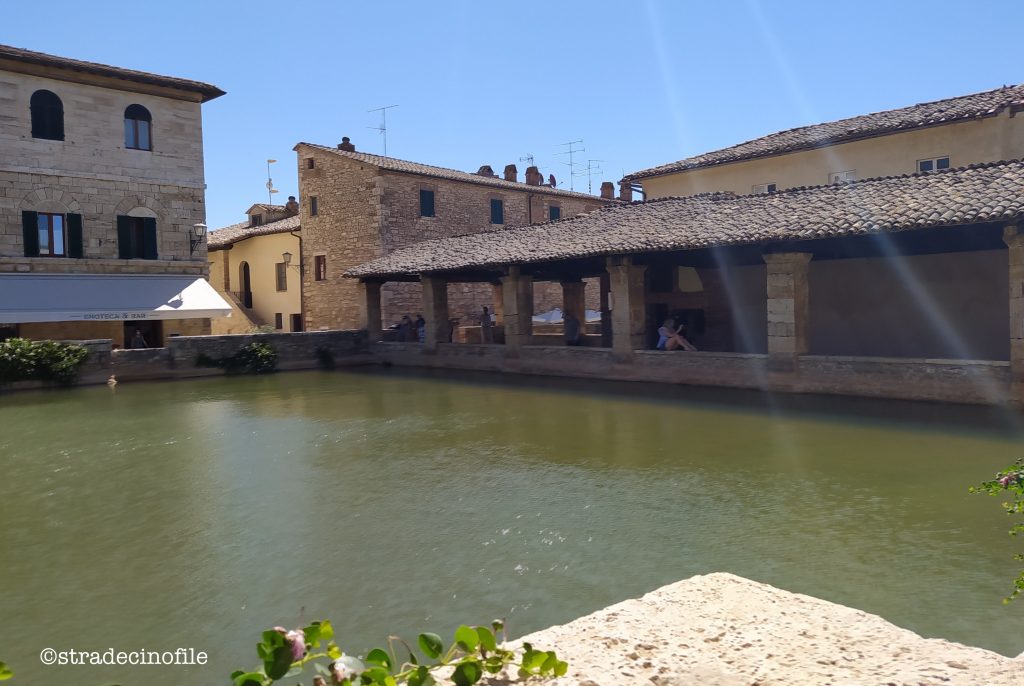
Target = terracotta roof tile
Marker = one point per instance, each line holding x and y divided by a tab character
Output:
866	125
229	235
397	165
975	194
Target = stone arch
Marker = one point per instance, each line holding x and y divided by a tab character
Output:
140	206
49	200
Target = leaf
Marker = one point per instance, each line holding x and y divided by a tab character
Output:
5	672
431	645
333	651
421	677
487	640
549	662
279	663
248	679
561	668
466	638
379	657
467	673
312	634
326	630
376	675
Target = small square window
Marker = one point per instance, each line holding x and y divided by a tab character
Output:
843	176
310	163
314	206
278	320
932	164
320	267
554	212
281	272
762	188
255	220
497	211
426	203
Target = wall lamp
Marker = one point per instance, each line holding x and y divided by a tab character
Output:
286	257
195	238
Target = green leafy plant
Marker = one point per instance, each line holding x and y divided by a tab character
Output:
25	360
254	358
1010	483
5	672
473	652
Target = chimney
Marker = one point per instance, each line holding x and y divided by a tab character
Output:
346	145
291	208
511	173
534	177
625	191
608	190
486	170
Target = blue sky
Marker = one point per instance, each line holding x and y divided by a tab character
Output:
642	83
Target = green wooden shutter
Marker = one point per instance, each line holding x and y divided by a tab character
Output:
30	228
124	238
149	251
75	247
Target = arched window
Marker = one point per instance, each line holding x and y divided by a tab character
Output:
137	122
47	116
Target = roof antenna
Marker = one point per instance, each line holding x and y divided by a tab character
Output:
270	184
383	128
589	172
570	163
528	159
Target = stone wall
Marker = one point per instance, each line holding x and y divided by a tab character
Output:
364	213
113	330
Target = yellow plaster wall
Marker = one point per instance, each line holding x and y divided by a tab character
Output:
262	253
969	142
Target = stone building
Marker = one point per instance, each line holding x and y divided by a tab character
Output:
255	265
101	192
357	206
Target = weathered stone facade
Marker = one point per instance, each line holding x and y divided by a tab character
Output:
365	211
89	172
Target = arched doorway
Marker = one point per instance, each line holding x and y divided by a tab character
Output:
245	292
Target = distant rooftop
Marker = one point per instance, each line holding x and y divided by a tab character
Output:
960	108
397	165
10	54
227	236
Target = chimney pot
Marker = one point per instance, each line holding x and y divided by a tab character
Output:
346	145
511	173
485	170
608	190
533	176
625	191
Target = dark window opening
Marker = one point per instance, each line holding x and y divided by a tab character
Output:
320	267
310	163
136	238
282	276
933	164
255	220
278	320
554	212
51	234
426	203
296	322
314	206
497	211
47	116
137	123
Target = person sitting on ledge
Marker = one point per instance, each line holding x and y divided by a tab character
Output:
670	337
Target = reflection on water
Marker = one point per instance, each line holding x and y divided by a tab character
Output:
195	514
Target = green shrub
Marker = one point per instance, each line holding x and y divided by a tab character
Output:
255	358
24	360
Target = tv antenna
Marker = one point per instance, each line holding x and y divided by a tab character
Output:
528	159
383	128
589	172
270	184
572	165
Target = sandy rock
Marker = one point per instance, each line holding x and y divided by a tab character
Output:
724	630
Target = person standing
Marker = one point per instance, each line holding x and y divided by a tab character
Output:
138	340
572	329
486	327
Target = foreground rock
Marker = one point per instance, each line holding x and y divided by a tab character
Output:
724	630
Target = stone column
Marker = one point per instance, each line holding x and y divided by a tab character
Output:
435	312
1014	239
606	311
369	311
517	290
629	308
574	299
788	298
498	299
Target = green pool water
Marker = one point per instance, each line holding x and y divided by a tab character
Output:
195	514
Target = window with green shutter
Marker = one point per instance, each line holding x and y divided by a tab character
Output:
136	238
30	233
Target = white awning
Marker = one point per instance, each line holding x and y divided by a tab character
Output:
106	297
